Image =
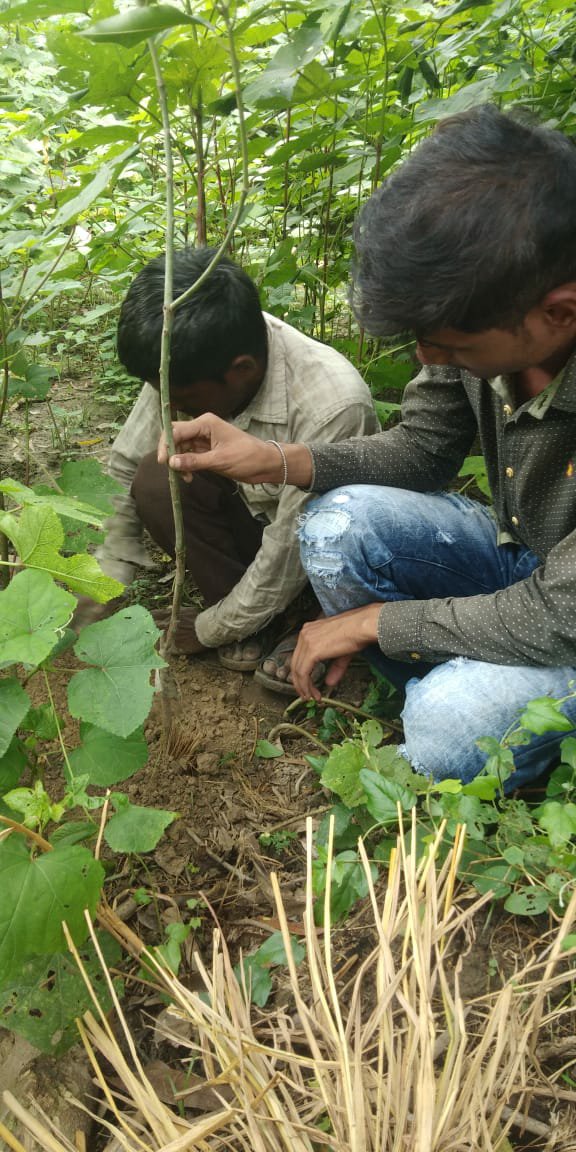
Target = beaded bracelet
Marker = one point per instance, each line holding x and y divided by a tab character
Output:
278	489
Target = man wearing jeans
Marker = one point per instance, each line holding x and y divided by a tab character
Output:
470	245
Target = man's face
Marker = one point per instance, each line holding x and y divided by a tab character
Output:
225	398
493	352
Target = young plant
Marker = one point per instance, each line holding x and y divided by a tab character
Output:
50	869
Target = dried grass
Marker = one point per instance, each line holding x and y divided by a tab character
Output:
392	1063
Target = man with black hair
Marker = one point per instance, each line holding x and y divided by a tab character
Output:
471	246
230	358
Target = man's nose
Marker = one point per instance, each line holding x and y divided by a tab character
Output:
429	354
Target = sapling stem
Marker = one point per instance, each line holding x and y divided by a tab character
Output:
170	305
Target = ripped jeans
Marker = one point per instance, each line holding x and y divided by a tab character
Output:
361	544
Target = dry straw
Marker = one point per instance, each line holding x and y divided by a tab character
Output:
391	1062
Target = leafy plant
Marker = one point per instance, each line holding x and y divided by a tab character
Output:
48	871
524	853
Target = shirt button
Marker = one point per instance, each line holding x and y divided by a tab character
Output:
414	655
509	473
515	521
508	410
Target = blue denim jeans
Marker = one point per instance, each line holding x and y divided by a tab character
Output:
361	544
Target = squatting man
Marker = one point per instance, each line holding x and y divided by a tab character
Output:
257	372
471	246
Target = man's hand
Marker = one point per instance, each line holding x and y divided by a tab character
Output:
209	444
337	638
185	642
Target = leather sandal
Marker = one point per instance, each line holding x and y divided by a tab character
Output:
285	687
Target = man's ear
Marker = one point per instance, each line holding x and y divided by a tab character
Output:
244	365
559	306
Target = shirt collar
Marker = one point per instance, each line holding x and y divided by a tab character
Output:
270	404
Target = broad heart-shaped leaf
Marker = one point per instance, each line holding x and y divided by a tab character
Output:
33	609
544	715
38	893
383	797
137	24
64	505
136	829
47	994
342	773
108	759
38	535
116	694
14	704
86	481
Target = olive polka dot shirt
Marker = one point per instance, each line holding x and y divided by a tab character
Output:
530	454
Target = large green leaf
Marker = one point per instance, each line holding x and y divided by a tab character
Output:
383	797
38	893
38	535
43	999
116	693
41	9
14	704
65	505
137	24
108	759
136	829
33	610
341	773
92	190
86	481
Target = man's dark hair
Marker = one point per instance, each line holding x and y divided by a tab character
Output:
219	322
471	231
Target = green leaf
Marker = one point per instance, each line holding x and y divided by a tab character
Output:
33	805
38	893
544	715
59	503
38	535
342	773
485	787
136	829
32	611
267	751
383	797
116	694
12	765
106	176
106	759
257	979
137	24
568	751
278	80
14	705
86	481
40	10
43	722
272	951
43	999
528	901
559	821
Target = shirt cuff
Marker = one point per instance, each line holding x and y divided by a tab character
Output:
400	631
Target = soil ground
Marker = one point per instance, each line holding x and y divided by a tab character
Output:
240	816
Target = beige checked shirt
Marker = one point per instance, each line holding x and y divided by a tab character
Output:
309	392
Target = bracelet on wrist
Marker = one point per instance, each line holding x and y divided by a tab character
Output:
280	487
